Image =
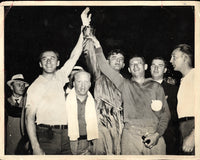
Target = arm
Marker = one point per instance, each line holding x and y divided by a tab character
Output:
165	113
189	142
31	130
75	54
164	118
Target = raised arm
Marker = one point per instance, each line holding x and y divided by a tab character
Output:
105	68
76	52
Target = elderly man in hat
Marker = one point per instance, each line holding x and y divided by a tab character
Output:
14	105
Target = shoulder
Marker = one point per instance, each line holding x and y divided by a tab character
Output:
151	82
169	86
10	101
35	85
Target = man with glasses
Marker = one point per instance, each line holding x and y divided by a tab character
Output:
171	135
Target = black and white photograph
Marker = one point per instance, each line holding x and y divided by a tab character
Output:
101	79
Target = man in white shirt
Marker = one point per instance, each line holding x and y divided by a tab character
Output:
182	61
46	113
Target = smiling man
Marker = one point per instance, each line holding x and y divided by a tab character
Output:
46	114
82	118
109	107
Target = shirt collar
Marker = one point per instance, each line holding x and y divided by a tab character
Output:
159	81
16	98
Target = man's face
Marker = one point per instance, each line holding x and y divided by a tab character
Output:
49	62
177	59
157	69
137	66
18	87
82	83
116	61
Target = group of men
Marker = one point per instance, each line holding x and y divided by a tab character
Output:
136	116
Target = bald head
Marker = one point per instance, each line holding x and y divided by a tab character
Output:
82	82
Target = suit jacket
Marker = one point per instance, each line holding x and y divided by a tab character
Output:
171	134
171	96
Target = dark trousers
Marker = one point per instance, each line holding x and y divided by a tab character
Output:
186	128
53	141
172	139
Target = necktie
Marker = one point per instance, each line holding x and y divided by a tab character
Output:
16	102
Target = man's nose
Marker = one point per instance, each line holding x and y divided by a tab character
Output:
135	66
156	68
82	85
118	60
48	60
171	60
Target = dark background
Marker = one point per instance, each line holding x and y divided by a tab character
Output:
145	30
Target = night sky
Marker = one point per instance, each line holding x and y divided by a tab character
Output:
144	30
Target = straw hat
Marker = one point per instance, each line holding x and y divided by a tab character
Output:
15	78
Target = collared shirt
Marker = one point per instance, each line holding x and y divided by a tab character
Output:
186	96
18	99
48	97
159	81
81	117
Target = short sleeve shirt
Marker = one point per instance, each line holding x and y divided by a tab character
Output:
186	96
48	98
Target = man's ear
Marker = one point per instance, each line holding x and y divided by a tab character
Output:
123	65
58	63
145	66
186	58
108	61
40	64
11	87
165	70
129	70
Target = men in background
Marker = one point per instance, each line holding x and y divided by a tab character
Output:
146	112
46	103
14	105
82	118
171	135
182	61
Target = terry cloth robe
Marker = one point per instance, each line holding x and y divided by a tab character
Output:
90	117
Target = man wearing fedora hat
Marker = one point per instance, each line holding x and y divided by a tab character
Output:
14	105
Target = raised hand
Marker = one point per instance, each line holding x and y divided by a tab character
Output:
85	17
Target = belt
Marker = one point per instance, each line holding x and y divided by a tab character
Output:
185	119
82	137
54	126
